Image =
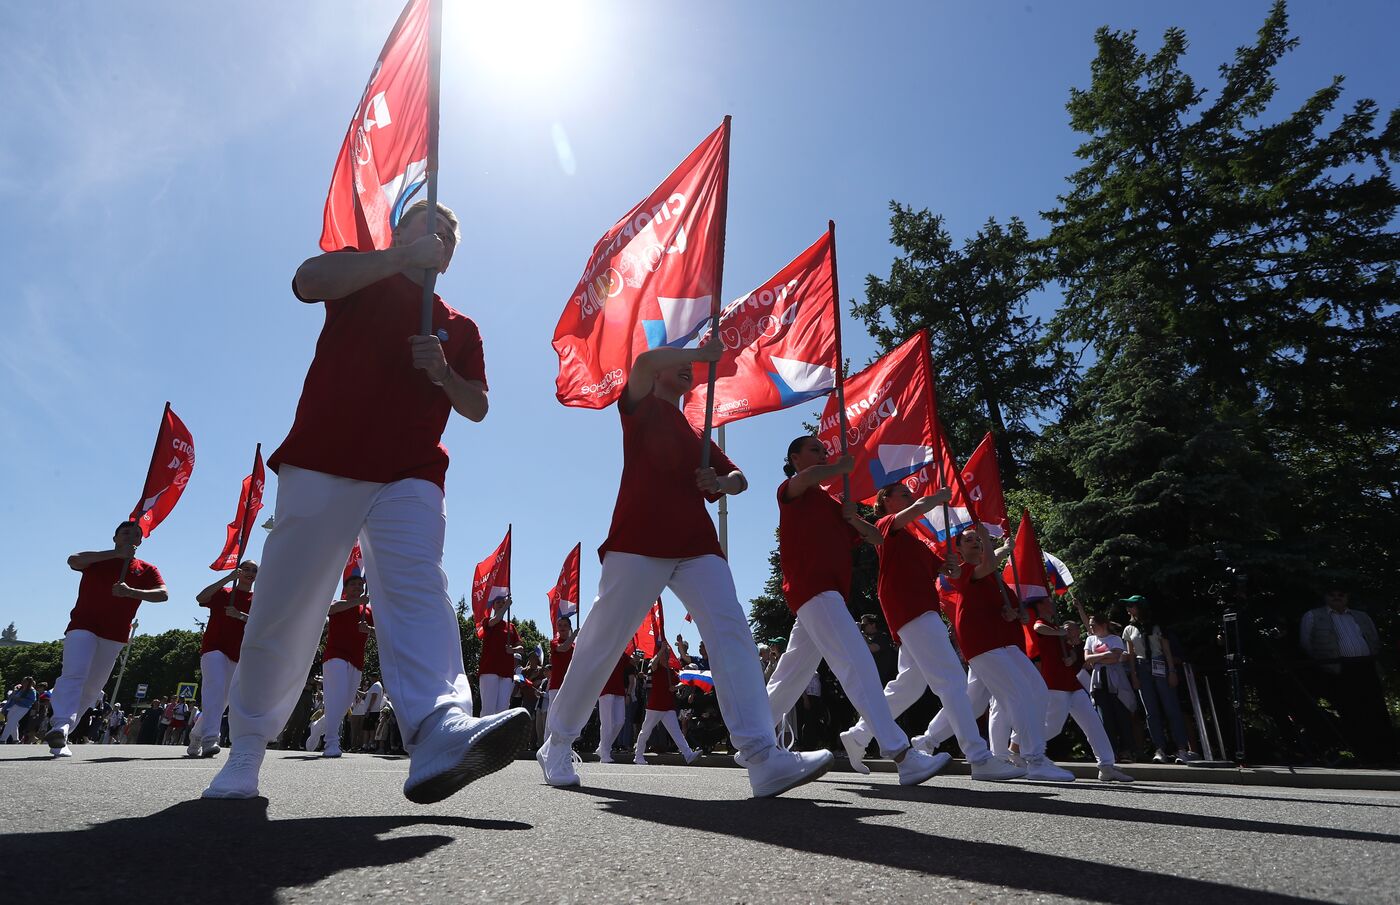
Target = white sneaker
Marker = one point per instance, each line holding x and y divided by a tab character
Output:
995	769
331	751
463	749
65	751
917	767
1160	757
239	776
855	750
785	770
1044	769
692	757
604	757
1110	773
312	741
193	749
639	760
556	758
209	746
1015	759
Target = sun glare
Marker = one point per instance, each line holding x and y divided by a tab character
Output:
527	46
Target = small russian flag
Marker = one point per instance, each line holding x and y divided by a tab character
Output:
700	678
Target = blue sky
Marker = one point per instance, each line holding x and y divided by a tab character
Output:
163	167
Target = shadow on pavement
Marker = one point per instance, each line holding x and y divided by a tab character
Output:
1141	788
235	851
1052	805
846	832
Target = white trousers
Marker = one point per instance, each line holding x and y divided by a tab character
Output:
1078	705
17	713
824	630
1017	685
339	682
495	693
612	713
668	719
216	672
87	665
400	526
628	586
927	660
1000	732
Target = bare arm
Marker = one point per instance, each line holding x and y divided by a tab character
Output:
808	478
153	595
80	561
646	366
340	606
868	532
922	507
208	593
336	274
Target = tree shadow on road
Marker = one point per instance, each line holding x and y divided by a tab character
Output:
1052	805
847	832
235	853
1209	792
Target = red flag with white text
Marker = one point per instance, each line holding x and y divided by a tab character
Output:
780	343
490	583
982	478
354	565
250	503
651	281
1028	577
383	161
172	463
651	632
563	597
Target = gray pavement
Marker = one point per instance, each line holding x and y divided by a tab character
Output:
123	823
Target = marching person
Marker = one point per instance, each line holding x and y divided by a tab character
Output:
661	708
908	591
218	652
99	626
499	644
816	534
661	536
348	627
561	650
364	458
983	625
612	707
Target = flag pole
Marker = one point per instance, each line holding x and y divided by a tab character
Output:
840	361
723	506
942	441
243	520
714	299
155	450
434	81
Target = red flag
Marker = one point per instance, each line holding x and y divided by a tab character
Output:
780	343
491	583
172	463
563	597
384	158
891	422
651	281
1027	575
250	503
652	631
982	479
354	565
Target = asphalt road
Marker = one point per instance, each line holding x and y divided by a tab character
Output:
118	824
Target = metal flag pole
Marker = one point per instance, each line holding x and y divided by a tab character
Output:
242	535
126	652
723	505
425	320
718	293
840	361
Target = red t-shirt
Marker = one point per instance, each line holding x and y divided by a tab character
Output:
365	412
662	695
978	621
223	633
908	583
1050	650
496	642
558	664
103	614
659	512
617	682
344	640
814	546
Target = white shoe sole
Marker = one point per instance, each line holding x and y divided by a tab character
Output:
801	779
939	762
491	747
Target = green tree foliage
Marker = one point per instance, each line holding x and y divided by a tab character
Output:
42	661
160	661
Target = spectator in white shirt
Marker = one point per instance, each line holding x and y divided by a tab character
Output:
1342	644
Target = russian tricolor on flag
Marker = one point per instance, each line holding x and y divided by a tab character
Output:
700	678
1058	574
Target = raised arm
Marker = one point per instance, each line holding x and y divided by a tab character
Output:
642	380
80	561
817	475
208	593
868	532
336	274
921	507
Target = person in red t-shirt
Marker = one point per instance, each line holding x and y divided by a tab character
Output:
99	626
219	651
499	644
662	537
612	707
1060	658
561	651
816	533
349	624
985	607
661	708
908	591
364	458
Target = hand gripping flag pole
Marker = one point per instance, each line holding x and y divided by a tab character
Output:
715	296
434	84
